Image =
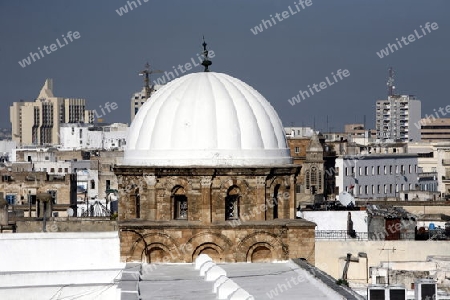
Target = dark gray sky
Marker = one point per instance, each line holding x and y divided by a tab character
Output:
102	65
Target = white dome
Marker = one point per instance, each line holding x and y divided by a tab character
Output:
206	119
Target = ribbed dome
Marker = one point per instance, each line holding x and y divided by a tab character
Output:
206	119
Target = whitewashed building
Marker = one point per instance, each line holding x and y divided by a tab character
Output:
377	175
93	136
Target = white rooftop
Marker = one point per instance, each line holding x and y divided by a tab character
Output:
206	119
282	280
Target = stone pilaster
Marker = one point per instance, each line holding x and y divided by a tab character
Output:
206	200
260	197
148	199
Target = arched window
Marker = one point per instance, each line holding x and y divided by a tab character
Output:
307	179
319	179
232	203
313	176
137	203
180	203
275	201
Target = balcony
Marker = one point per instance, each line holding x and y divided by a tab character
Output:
427	175
340	235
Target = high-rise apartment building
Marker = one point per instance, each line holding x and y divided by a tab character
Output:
138	99
38	122
396	116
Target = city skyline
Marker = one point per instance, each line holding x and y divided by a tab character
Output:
291	51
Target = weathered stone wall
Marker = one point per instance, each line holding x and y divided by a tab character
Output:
250	242
264	230
148	193
67	225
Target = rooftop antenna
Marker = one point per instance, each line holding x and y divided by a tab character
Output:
206	62
388	250
146	73
390	82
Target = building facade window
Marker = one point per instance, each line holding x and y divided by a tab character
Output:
319	179
307	175
232	203
180	203
297	149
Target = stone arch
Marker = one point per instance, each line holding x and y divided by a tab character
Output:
138	246
246	246
241	183
213	250
261	252
155	253
216	241
142	243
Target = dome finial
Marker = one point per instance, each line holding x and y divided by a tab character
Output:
206	62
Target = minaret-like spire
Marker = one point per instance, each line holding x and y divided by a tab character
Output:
206	62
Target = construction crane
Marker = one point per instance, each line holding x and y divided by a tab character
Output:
146	73
390	83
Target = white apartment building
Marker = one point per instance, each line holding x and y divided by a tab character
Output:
434	158
38	122
396	116
298	132
377	175
138	99
90	136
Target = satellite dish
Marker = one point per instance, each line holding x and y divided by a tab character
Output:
346	199
70	212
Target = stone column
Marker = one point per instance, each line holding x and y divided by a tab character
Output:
206	201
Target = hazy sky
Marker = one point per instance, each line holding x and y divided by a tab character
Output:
103	63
